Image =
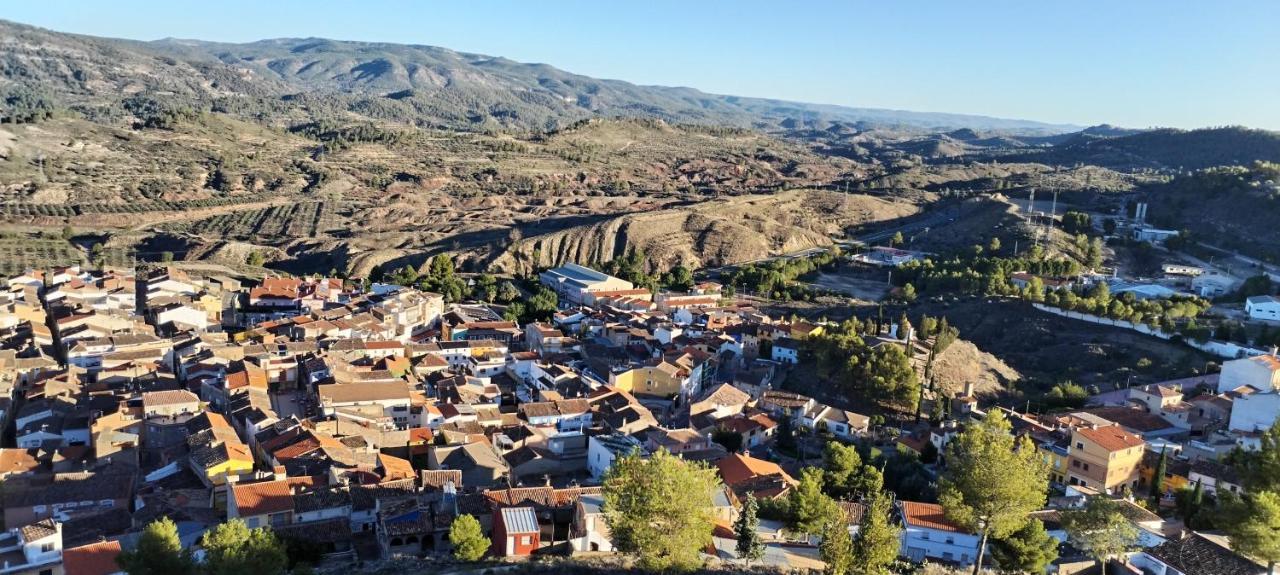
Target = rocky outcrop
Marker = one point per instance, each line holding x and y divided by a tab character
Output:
711	233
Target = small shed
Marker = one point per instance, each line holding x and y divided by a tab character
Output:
515	531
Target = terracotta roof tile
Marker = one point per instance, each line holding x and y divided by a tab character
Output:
1111	437
92	559
263	498
928	516
737	468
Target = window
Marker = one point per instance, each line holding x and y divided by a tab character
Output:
951	540
46	548
1086	467
1079	445
525	540
924	535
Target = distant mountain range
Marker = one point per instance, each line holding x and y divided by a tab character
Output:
285	79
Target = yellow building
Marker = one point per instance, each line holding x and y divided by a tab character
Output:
211	305
1057	457
1105	458
663	379
1176	472
217	451
237	462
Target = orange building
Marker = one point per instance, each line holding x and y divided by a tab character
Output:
1105	458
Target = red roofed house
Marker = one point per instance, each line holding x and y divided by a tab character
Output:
263	503
746	474
1105	458
515	531
92	559
928	534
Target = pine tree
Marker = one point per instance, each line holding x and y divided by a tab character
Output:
750	546
842	464
876	545
811	509
836	548
1255	531
993	481
1100	529
158	552
660	509
232	548
1027	550
467	538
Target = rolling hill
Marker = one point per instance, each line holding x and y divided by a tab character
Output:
283	79
1164	148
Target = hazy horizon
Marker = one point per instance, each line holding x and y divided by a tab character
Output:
1198	68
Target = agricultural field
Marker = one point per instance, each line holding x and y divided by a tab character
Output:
300	220
19	254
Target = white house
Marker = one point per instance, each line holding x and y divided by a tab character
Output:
1254	412
786	350
182	314
843	424
1260	372
928	534
602	450
589	519
34	548
1263	307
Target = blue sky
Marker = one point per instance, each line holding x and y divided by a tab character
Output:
1136	63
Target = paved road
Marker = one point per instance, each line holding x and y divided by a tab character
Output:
1241	264
916	224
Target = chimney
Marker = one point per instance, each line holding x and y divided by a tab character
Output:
1275	350
279	473
893	331
968	389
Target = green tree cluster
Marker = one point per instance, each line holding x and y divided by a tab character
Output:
660	509
1252	520
993	480
1076	222
25	104
441	277
1030	549
231	548
884	373
1100	529
777	278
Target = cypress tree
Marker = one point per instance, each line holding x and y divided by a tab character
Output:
1157	480
750	547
